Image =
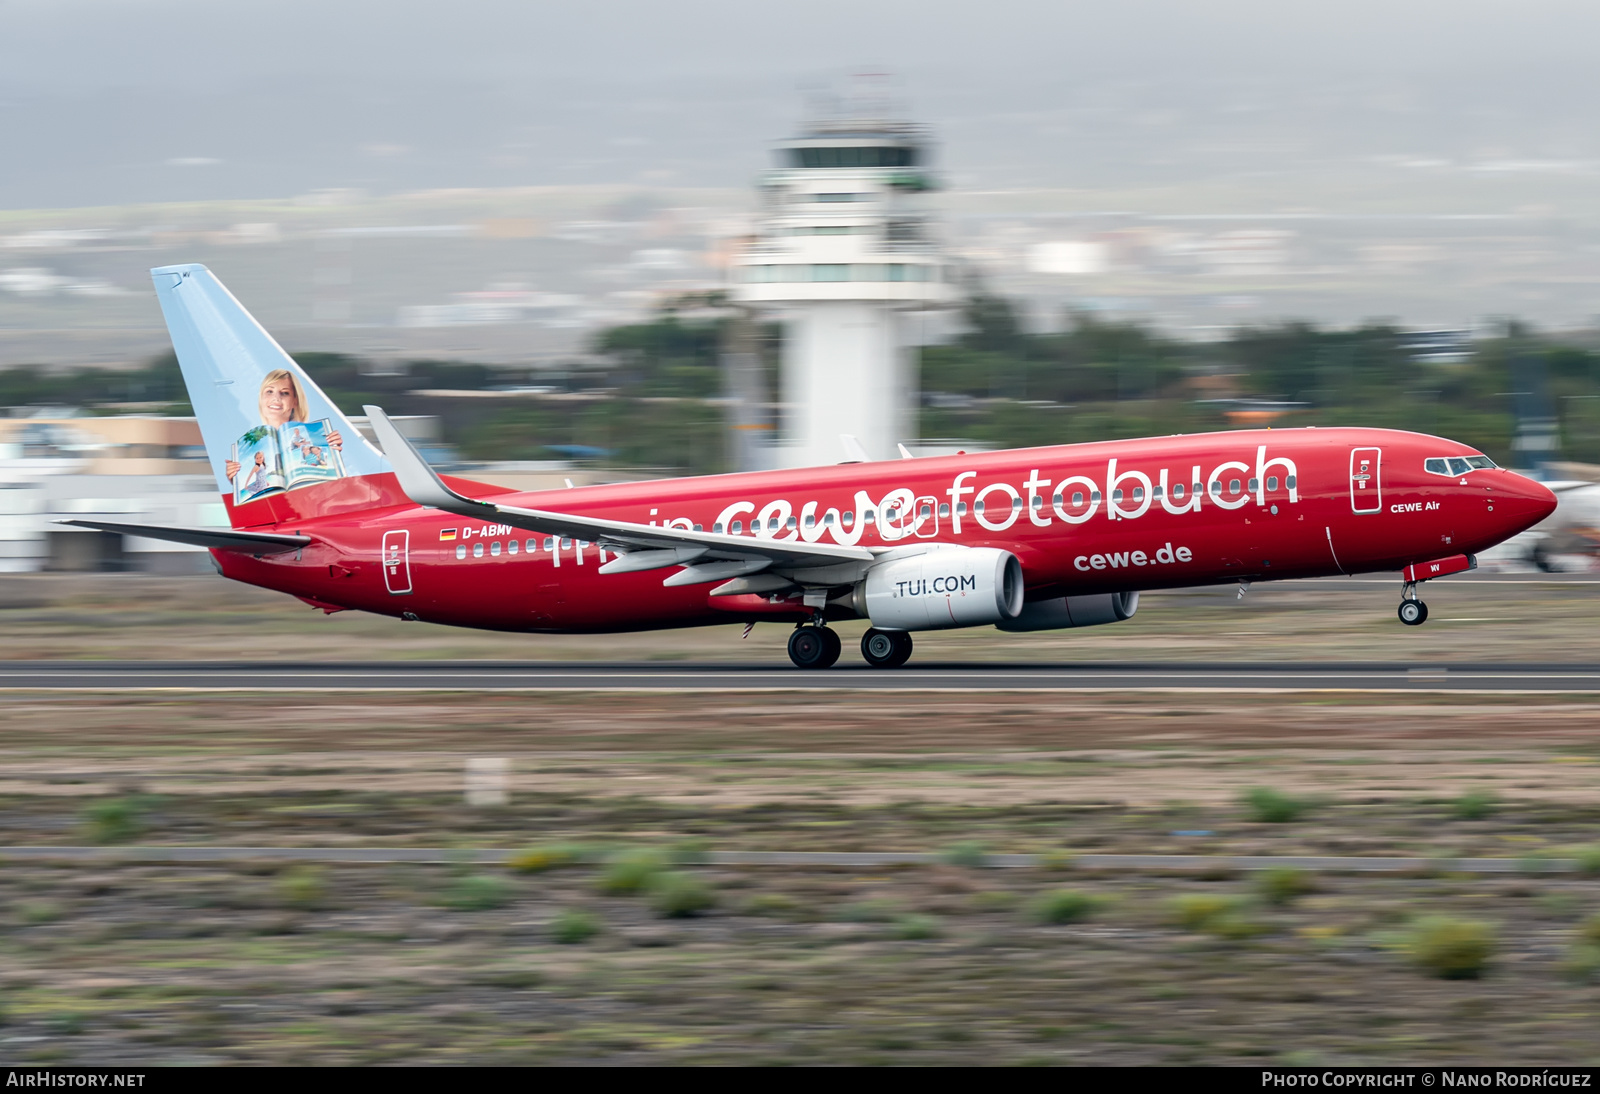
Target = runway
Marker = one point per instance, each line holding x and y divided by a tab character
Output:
130	676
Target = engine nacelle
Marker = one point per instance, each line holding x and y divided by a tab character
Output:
1073	611
948	587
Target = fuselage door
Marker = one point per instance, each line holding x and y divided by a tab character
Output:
1366	480
925	518
397	562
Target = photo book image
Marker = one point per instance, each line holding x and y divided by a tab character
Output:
291	455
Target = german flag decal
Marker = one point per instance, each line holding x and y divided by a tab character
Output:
446	535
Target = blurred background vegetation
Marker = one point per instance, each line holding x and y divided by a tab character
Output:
649	395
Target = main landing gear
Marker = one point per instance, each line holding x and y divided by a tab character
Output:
885	649
815	646
1413	612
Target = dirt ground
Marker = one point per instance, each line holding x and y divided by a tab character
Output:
257	961
1474	617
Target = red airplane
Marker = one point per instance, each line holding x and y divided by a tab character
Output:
1026	539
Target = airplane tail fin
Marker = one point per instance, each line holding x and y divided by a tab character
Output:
256	407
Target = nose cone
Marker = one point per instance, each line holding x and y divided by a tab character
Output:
1521	502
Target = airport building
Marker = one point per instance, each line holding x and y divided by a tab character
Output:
845	256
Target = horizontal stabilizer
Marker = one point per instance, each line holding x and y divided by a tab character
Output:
255	543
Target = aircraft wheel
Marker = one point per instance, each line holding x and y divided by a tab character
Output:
813	647
1413	613
885	649
835	647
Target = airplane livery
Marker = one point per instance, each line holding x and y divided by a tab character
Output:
1023	540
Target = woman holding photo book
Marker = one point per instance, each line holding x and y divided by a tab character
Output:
281	455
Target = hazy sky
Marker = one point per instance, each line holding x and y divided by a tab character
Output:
111	101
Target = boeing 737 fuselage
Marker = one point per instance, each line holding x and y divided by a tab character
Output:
1025	539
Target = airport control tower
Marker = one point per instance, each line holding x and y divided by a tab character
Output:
844	256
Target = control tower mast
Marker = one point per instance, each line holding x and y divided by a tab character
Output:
844	252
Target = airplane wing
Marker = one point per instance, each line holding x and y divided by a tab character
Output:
709	556
255	543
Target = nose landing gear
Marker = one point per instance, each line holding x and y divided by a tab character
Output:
1413	612
813	646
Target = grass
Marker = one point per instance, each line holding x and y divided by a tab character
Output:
477	893
1589	861
572	926
965	853
38	912
302	887
1452	949
915	928
1474	805
1281	885
1063	906
115	820
1220	916
631	872
536	860
676	895
1274	807
776	905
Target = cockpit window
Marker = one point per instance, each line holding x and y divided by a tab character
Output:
1456	465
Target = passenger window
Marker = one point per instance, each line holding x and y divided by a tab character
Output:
790	523
848	520
699	527
1077	498
1459	466
1233	486
1038	502
1216	488
1436	466
532	545
717	527
978	506
1177	491
1094	495
477	550
811	520
461	550
549	543
961	508
1138	493
926	511
869	517
1016	504
827	519
1155	491
1272	482
1116	495
1255	484
511	547
566	541
1289	482
772	524
494	548
738	527
944	509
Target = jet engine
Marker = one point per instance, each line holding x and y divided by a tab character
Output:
1073	611
948	587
